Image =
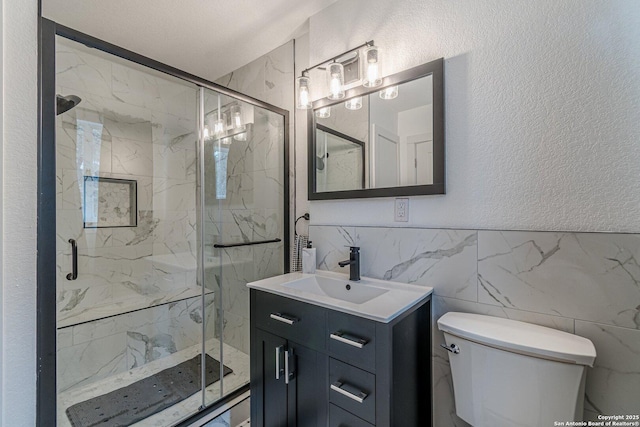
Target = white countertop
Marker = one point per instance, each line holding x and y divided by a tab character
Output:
384	308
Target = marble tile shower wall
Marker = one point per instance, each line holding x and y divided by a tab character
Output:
582	283
341	170
136	126
254	209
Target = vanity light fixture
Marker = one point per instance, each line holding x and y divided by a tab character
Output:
323	113
336	74
233	121
219	125
243	136
389	93
236	117
372	75
353	103
302	91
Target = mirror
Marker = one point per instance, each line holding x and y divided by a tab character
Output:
380	142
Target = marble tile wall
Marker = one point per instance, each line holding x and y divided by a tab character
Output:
91	351
341	169
132	124
582	283
253	208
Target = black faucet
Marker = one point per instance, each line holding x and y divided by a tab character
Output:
353	262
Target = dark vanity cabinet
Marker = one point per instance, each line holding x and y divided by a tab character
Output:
288	363
317	367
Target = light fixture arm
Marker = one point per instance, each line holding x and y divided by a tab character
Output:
333	59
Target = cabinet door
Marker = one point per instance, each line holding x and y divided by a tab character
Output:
308	393
268	390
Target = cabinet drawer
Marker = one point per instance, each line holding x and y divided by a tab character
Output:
340	418
294	320
352	389
352	339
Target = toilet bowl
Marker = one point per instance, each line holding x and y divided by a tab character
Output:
514	374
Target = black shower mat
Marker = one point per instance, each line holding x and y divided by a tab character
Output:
144	398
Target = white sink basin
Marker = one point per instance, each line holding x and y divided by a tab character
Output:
341	289
373	299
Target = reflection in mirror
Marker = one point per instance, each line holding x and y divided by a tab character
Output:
339	161
401	149
386	142
394	126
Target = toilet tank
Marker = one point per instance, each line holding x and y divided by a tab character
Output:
515	374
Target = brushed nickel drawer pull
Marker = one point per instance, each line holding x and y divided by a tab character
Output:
358	396
278	369
282	318
348	339
289	368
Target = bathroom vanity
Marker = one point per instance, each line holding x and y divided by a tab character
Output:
326	351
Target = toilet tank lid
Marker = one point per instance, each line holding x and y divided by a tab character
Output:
519	337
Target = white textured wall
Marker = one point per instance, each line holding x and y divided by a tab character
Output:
542	107
19	136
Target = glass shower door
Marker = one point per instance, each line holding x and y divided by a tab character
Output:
244	214
129	304
170	198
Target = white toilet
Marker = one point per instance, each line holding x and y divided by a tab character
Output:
514	374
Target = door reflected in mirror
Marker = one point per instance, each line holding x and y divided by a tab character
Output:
386	142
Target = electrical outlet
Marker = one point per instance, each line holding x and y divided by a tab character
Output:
401	213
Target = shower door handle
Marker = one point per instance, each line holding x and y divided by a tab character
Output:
74	260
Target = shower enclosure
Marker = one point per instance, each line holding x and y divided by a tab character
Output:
170	197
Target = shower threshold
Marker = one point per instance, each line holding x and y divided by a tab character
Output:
233	358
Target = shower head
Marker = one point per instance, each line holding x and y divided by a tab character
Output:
66	103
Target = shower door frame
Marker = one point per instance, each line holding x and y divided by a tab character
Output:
46	346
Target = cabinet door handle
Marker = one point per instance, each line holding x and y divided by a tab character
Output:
278	351
282	318
348	339
356	395
288	365
74	261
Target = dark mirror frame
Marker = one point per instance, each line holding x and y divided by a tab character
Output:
433	68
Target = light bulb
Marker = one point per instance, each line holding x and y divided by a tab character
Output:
323	113
372	67
335	73
247	132
372	72
389	93
206	132
236	116
304	96
302	88
218	126
353	103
